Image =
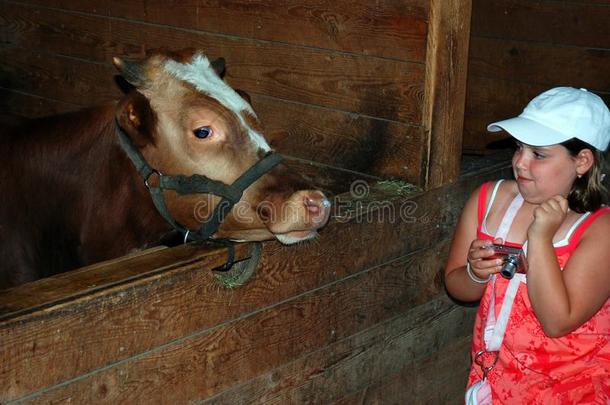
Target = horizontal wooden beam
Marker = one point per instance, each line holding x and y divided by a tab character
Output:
411	349
90	283
390	29
544	22
43	56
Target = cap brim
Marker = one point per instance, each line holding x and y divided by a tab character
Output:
529	132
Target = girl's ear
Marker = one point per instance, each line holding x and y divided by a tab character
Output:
584	161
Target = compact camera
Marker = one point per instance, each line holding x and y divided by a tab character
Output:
514	260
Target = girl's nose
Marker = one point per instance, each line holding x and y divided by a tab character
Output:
520	161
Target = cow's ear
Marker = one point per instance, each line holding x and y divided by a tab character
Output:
130	70
136	117
219	66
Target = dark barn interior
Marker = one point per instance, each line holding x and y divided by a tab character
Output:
392	96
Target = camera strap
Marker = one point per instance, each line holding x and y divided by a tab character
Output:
495	329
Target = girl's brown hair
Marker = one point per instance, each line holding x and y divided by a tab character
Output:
588	192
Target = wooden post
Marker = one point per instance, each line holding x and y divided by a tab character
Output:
445	84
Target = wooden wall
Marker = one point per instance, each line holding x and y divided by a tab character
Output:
520	48
352	84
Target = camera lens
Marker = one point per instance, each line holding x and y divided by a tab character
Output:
509	267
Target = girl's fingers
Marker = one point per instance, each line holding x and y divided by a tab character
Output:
486	264
480	253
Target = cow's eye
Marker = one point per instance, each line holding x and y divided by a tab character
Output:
203	132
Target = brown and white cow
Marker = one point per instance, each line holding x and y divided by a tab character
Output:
72	194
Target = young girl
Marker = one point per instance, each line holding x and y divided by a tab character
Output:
541	337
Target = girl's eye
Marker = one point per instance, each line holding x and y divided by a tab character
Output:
203	132
539	155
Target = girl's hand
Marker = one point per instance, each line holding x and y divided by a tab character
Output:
479	257
548	216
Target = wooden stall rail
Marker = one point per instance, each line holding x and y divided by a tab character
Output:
359	313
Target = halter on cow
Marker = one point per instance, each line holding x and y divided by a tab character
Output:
194	184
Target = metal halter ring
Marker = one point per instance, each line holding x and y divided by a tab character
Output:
158	173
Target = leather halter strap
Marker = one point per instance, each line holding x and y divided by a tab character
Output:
195	184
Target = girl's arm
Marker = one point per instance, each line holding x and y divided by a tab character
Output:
563	301
464	247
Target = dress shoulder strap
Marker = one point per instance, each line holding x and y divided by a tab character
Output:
483	206
583	225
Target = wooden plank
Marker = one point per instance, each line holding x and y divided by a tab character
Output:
405	349
139	316
389	28
446	66
378	147
570	23
30	106
439	379
540	63
376	87
87	281
58	78
208	361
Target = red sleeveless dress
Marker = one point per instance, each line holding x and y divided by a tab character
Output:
533	368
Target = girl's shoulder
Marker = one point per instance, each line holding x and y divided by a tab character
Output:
597	225
497	193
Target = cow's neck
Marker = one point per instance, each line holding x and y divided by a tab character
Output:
116	201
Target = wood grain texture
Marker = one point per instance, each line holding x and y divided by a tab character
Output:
387	28
438	379
376	87
582	23
25	300
30	106
351	141
392	361
446	67
542	64
207	362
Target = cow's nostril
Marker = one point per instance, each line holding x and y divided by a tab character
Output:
312	205
315	205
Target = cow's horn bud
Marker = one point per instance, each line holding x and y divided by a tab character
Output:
131	71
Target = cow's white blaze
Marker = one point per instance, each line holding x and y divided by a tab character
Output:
200	74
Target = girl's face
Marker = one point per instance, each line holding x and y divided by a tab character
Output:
543	172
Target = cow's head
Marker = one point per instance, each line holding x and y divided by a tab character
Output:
184	119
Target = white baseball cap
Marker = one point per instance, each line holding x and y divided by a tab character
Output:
560	114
